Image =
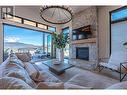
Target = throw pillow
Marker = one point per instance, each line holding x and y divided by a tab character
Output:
38	75
13	83
32	71
23	57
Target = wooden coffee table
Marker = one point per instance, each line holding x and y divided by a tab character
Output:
57	68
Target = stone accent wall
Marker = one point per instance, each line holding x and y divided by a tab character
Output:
84	18
92	50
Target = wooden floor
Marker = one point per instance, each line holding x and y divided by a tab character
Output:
74	70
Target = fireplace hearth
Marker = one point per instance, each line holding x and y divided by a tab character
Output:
82	53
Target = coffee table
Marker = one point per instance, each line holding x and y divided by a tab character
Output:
57	68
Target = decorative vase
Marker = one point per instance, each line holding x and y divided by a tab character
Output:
61	55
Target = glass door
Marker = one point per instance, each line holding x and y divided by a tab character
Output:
66	49
24	40
49	45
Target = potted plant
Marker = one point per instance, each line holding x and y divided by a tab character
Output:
60	40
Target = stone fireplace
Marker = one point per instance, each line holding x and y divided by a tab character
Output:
92	51
84	18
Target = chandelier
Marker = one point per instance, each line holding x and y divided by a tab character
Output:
56	14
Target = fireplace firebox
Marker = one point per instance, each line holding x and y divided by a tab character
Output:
82	53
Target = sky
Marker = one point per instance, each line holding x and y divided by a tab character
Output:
119	14
23	35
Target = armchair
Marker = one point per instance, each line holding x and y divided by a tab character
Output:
117	62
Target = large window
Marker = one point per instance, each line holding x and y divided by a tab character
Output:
119	30
119	15
18	39
118	36
66	49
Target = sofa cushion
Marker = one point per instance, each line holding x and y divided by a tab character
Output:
9	69
13	83
92	80
17	74
50	85
46	77
3	65
121	85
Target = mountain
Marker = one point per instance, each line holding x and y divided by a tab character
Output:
19	45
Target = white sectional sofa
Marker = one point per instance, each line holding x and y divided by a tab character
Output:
15	74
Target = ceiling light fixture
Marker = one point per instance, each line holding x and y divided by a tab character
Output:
56	14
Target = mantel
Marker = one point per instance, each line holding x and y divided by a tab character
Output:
83	41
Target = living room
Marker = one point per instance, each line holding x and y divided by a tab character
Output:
62	47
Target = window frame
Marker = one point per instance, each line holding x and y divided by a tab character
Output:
117	10
22	22
42	25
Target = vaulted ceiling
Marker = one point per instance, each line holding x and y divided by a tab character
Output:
32	12
75	9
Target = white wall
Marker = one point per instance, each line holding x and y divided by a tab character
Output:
104	30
